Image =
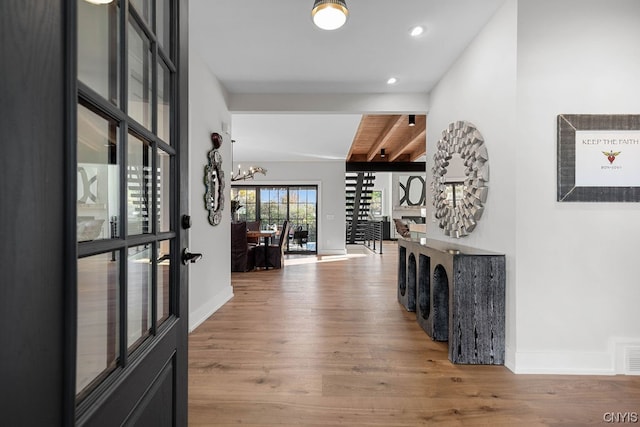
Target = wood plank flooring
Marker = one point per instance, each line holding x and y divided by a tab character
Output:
324	342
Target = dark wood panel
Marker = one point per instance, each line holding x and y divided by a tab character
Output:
478	320
156	408
32	194
122	398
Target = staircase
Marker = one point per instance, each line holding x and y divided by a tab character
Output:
358	188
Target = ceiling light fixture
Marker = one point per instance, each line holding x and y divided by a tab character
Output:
416	31
392	81
99	1
329	14
412	119
383	154
249	173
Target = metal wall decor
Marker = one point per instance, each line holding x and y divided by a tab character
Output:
598	158
463	139
214	182
412	193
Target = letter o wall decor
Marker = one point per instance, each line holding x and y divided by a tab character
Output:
409	196
459	219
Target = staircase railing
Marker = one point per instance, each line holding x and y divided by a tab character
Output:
373	235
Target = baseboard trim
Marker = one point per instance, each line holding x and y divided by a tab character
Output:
564	363
197	317
510	359
327	252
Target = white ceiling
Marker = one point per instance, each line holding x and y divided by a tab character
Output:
258	46
300	137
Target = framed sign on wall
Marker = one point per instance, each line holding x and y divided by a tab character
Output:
598	158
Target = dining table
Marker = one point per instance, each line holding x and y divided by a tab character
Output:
266	235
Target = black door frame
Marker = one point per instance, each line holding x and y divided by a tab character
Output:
37	192
156	376
33	295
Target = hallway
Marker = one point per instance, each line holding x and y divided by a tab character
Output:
325	342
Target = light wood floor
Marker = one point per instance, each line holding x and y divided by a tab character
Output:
326	343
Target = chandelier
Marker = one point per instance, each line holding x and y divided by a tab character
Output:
247	174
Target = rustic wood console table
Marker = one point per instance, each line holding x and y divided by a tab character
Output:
458	294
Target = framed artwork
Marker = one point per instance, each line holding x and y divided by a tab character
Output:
413	190
598	158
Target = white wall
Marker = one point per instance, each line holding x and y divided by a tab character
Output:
577	282
481	88
329	176
572	289
210	278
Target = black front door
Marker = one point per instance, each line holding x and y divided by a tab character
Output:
130	125
93	296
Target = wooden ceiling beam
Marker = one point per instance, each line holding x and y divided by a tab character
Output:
357	158
385	167
361	128
392	124
409	148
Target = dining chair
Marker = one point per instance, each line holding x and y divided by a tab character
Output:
253	226
274	252
242	254
300	236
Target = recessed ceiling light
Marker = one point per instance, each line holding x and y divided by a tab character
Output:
416	31
392	81
99	1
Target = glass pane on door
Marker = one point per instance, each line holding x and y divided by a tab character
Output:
163	24
97	317
98	44
303	208
163	195
273	206
164	281
164	102
98	177
138	186
143	7
139	282
140	77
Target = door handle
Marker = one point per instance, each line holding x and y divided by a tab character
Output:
188	257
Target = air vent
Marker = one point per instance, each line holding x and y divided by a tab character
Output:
632	361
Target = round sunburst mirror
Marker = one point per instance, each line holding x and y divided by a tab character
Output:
460	176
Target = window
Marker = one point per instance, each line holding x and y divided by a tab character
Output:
376	203
243	204
272	205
